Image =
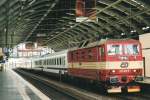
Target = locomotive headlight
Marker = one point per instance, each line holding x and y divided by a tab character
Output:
123	58
134	70
113	71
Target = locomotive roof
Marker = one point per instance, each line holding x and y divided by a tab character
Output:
103	41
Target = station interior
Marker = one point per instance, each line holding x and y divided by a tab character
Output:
74	49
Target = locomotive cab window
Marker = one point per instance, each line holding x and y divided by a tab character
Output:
132	49
114	49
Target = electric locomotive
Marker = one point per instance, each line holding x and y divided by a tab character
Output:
117	64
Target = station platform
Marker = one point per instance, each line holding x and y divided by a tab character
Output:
14	87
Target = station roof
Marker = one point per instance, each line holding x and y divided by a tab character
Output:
53	22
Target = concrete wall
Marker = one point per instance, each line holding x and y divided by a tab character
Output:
145	41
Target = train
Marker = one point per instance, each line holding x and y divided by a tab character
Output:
117	64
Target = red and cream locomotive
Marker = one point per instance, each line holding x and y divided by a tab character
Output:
115	63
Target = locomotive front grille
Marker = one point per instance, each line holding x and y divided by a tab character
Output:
124	78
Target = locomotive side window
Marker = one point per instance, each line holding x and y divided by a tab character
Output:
113	49
82	55
90	54
132	49
102	53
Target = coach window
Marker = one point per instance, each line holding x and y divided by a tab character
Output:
59	61
52	62
55	61
44	62
49	61
64	60
39	62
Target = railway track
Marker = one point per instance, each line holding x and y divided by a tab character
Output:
44	86
76	93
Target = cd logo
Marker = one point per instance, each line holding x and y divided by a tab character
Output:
124	65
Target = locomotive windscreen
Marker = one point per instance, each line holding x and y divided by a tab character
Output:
132	49
127	49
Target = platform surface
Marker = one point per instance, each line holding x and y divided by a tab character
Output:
11	88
